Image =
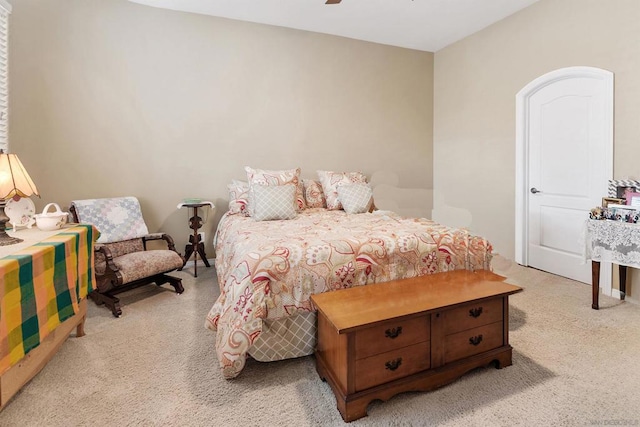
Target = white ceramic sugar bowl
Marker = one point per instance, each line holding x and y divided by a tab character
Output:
48	221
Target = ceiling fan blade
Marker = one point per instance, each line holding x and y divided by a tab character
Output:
333	1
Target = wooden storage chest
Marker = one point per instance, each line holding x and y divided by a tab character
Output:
414	334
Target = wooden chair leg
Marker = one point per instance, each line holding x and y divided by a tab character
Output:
114	305
95	297
173	281
176	283
112	302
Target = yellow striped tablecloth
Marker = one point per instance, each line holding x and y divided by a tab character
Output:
42	281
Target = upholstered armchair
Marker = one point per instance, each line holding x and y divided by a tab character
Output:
122	261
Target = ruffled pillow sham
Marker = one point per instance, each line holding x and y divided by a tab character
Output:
331	180
238	197
278	177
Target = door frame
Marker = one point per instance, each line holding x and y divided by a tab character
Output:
522	151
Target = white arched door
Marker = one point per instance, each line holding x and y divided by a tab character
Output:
564	155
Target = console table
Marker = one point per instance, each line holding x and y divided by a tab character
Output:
44	281
615	242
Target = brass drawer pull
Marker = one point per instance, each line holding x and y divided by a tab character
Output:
393	333
475	340
392	365
475	312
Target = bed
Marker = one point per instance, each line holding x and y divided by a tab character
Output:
267	271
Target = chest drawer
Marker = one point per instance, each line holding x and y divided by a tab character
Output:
392	365
473	341
391	335
472	315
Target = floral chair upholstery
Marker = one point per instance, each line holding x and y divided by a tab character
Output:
122	261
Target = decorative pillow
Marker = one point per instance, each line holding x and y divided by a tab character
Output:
355	198
331	180
239	197
273	202
313	195
281	177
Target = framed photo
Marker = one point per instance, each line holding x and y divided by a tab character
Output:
623	213
617	187
633	200
613	200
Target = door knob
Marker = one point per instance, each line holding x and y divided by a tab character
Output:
534	190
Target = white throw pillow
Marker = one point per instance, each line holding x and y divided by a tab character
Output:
355	198
273	202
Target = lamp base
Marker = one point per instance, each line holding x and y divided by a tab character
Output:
6	240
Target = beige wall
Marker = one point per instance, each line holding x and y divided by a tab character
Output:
475	84
113	98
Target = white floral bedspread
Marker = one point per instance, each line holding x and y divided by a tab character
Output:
269	269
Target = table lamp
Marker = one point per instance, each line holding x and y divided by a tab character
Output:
14	182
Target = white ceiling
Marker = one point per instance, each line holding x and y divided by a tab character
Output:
427	25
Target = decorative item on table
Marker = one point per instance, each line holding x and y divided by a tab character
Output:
15	183
192	200
627	192
622	213
597	212
195	201
618	187
20	211
630	216
48	221
612	200
632	199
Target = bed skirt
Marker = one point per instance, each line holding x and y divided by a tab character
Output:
285	338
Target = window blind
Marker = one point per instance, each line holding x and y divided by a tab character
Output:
5	10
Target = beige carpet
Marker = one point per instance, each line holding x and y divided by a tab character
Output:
156	366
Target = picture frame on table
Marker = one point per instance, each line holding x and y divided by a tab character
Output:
633	199
606	201
622	213
618	187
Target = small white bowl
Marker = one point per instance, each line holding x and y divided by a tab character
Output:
48	221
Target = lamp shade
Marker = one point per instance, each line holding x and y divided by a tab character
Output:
14	179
